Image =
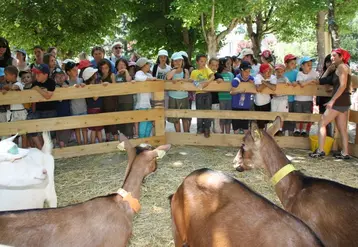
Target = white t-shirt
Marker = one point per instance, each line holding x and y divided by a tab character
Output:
260	98
302	77
161	73
143	99
18	106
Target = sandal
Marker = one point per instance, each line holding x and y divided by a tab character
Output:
317	154
342	156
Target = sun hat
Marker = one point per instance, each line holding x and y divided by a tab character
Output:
88	73
116	43
10	151
142	61
41	68
306	59
264	67
177	56
163	53
184	54
280	66
245	65
246	52
289	57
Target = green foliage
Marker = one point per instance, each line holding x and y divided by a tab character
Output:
349	40
72	26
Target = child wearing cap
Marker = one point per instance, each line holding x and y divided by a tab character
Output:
161	66
263	101
215	103
63	108
144	99
178	99
94	105
78	106
304	104
241	101
279	103
248	55
202	77
291	74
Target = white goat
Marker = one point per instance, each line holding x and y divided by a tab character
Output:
28	182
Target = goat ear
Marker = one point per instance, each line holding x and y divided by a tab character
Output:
275	126
131	152
160	151
255	132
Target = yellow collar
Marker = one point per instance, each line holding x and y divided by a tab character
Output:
133	202
283	172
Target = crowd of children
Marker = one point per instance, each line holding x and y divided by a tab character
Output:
47	73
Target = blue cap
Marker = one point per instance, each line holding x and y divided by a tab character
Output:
41	68
306	59
2	73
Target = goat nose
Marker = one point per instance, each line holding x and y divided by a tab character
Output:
44	171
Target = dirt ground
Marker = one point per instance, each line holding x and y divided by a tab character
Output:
79	179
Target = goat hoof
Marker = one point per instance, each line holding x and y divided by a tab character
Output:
239	169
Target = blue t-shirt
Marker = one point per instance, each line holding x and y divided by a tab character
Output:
291	75
178	94
245	98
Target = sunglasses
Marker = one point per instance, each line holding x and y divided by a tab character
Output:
118	47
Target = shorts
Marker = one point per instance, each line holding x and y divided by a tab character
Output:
226	106
178	104
3	118
94	111
303	106
279	105
41	115
239	123
341	109
16	115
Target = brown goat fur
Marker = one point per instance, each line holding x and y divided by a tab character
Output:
212	209
328	207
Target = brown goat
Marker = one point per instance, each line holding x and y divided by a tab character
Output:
212	209
102	221
328	207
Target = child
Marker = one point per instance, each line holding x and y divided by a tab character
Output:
279	103
78	106
2	90
178	99
125	102
225	69
241	101
132	71
110	103
143	99
291	73
161	66
304	104
215	103
202	77
63	108
263	101
94	105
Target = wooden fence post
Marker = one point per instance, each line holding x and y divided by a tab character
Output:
158	100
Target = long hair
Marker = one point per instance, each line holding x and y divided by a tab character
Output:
167	61
222	64
4	42
187	64
103	62
122	60
326	59
47	57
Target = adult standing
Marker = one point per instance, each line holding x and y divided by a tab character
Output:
98	54
39	56
338	106
5	54
50	60
248	55
21	60
53	51
117	49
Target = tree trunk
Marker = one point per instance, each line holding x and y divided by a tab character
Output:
321	16
188	39
212	45
255	37
332	25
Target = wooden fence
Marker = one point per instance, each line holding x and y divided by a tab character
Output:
157	115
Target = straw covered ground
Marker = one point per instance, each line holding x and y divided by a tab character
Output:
79	179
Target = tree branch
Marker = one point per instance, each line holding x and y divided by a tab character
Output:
231	26
203	28
268	16
212	26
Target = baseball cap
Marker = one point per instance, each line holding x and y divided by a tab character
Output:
177	56
245	65
22	51
163	53
289	57
280	66
184	54
266	54
84	64
306	59
70	65
264	67
88	73
142	61
58	71
246	52
41	68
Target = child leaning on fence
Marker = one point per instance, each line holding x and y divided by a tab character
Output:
144	99
178	99
202	77
215	103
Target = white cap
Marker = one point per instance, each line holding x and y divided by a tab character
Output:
142	61
10	151
246	52
177	56
68	60
163	53
88	73
183	53
116	43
